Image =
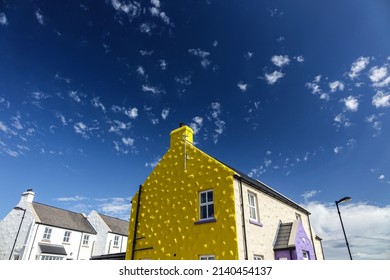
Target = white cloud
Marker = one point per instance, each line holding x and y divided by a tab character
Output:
132	113
249	55
197	124
381	99
98	104
215	44
351	103
163	64
154	163
131	9
280	60
3	19
116	206
76	96
309	194
118	126
314	85
152	89
379	76
39	16
242	86
337	149
365	227
273	77
336	85
141	70
81	129
359	65
375	123
381	177
220	124
5	102
128	141
205	62
184	80
165	113
71	199
145	28
342	120
299	58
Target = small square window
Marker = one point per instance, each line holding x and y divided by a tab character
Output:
67	236
47	233
258	257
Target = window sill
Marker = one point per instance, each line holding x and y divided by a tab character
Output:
205	221
65	243
256	223
46	240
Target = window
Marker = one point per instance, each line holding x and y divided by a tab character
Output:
306	255
86	240
51	258
252	199
258	257
67	236
116	240
298	216
206	204
47	233
207	257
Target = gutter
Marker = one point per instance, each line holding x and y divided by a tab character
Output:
243	221
136	222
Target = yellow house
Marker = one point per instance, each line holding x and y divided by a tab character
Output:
192	206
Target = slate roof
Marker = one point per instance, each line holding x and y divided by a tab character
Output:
116	225
266	189
61	218
283	236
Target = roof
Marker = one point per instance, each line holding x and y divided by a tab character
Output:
52	249
266	189
61	218
116	225
283	236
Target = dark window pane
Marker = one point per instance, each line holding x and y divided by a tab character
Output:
202	197
211	210
210	196
203	212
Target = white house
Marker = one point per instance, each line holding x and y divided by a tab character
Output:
111	234
35	231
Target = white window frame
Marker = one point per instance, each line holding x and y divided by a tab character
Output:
253	209
306	255
50	258
67	235
86	240
258	257
47	233
206	257
116	240
206	204
298	216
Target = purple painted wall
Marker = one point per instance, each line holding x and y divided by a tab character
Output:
303	243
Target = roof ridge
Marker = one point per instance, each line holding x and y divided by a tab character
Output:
34	202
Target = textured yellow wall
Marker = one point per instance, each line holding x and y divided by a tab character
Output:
170	206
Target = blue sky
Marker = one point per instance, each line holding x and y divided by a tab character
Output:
293	93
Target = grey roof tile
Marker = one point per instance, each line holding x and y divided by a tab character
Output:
61	218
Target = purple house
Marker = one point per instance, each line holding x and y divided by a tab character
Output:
292	243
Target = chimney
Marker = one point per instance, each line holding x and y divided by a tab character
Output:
28	196
183	132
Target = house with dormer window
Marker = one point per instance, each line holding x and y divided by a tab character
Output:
35	231
192	206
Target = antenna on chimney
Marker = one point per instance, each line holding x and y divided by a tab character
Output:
29	190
